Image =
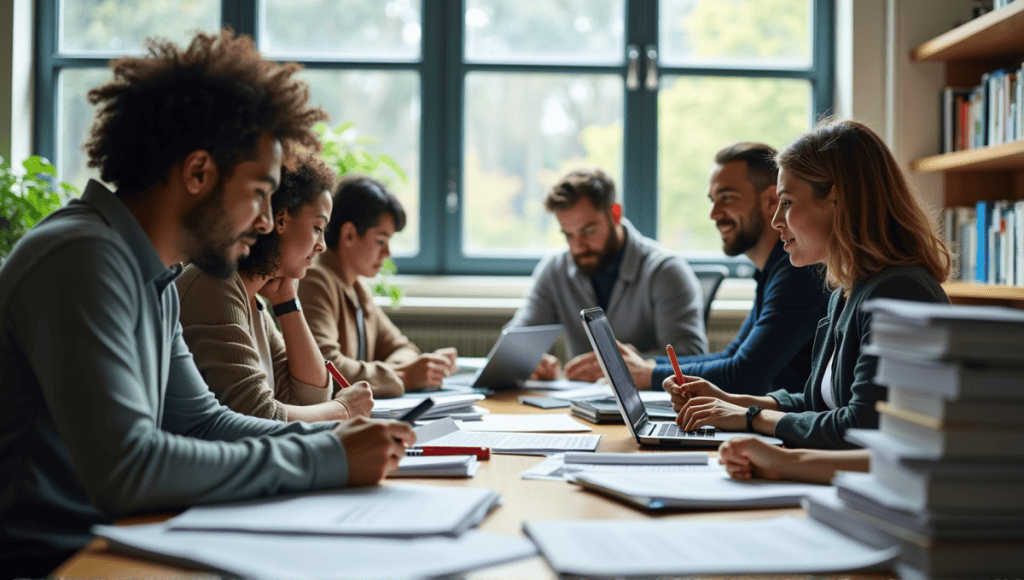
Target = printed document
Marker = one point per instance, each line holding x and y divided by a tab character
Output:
310	557
446	432
566	466
669	548
526	423
395	511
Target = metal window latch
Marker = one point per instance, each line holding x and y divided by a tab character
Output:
632	67
651	78
452	199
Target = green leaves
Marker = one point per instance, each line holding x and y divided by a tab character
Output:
382	286
27	197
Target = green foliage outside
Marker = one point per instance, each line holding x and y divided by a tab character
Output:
27	197
347	153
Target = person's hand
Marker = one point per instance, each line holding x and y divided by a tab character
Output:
426	370
746	457
547	370
450	353
691	387
373	447
639	367
708	411
357	400
279	290
584	368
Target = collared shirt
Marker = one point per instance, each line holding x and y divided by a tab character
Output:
105	413
656	299
772	350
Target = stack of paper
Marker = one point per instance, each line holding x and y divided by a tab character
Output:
526	423
446	432
615	549
437	466
699	490
383	531
444	405
566	466
947	463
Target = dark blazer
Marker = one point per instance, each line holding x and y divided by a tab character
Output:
845	331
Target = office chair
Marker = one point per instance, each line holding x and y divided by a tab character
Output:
710	278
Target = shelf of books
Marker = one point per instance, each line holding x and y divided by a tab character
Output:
982	153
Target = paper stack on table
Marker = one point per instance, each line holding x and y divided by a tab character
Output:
566	466
444	405
526	423
603	549
437	466
446	432
399	531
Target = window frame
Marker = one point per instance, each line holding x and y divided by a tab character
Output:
442	70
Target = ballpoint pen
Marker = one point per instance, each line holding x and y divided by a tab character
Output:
480	452
336	374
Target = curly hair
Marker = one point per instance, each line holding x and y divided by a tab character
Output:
361	199
592	184
878	223
218	94
299	188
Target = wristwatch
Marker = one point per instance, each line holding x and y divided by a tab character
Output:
751	413
286	307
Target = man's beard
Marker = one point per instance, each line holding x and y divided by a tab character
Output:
746	237
605	257
209	244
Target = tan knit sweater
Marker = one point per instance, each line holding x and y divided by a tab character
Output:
330	308
219	328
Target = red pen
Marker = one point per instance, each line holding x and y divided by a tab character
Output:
480	452
337	375
675	364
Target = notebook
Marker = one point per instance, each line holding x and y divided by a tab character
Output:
512	360
645	431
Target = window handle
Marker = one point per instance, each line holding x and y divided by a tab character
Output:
632	67
452	199
651	78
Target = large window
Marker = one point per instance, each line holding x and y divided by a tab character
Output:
486	103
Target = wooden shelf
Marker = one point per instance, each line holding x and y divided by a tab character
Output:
1007	156
967	293
993	35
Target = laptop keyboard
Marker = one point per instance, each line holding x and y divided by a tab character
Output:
673	430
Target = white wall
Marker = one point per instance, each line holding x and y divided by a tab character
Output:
16	59
876	82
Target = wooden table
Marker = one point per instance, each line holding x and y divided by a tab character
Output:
523	500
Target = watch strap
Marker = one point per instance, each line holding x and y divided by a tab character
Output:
751	413
287	307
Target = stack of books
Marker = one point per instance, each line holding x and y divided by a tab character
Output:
947	467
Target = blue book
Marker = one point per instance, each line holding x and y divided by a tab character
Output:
984	223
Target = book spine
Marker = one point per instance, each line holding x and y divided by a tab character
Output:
1019	231
984	220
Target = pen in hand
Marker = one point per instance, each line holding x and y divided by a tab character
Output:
417	411
337	375
675	364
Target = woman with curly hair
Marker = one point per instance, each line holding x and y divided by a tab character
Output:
844	203
251	366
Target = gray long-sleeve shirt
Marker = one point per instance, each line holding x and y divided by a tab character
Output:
656	300
105	412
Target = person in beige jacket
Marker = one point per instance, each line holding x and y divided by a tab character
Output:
349	328
249	364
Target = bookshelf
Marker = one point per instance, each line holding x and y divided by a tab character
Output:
996	172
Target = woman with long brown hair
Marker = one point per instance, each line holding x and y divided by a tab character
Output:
844	203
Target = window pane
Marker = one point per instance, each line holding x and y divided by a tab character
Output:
774	33
553	31
74	119
523	132
773	111
120	26
341	29
385	107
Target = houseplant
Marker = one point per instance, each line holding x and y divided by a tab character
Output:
27	194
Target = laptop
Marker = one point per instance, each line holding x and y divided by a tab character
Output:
512	359
645	431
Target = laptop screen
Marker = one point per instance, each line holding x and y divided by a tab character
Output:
601	337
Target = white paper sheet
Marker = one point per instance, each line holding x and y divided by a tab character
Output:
526	423
302	557
636	548
713	489
394	408
397	511
447	432
555	468
557	385
437	466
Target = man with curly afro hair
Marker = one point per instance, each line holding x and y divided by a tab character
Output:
104	411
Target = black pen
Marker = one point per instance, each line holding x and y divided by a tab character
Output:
417	411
